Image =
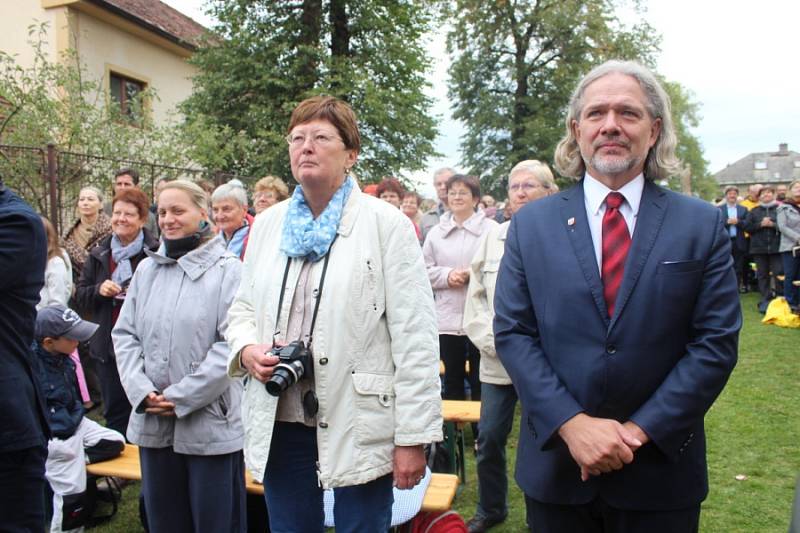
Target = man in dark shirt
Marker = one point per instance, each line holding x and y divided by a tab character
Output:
23	426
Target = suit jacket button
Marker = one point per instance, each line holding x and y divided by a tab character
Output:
323	425
323	361
611	349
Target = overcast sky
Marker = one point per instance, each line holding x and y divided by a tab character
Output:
738	58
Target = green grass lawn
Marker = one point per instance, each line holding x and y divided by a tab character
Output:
752	430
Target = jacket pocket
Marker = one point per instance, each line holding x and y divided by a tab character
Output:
678	267
374	401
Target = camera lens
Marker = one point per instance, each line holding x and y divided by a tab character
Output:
278	383
284	376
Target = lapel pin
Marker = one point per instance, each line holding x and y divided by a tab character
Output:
571	221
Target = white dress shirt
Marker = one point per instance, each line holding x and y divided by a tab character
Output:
594	194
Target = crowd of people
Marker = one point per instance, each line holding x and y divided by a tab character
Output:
299	335
764	228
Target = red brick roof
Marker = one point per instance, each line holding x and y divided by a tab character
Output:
160	18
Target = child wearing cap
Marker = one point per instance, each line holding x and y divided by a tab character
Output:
76	440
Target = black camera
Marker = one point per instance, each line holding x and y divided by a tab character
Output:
295	362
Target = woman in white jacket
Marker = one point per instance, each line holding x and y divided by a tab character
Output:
342	273
528	181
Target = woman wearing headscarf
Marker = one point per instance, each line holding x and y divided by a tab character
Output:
335	282
172	360
102	290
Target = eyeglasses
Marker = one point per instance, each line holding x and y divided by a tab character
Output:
322	139
527	186
459	194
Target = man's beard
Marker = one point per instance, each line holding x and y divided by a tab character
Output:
611	165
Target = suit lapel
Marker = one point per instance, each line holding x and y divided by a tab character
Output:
652	209
573	217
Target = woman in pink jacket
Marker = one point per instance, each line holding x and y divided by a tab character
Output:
448	251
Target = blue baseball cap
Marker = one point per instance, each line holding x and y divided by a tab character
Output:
60	321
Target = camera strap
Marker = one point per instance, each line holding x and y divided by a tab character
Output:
318	295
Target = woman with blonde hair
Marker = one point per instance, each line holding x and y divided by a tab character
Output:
58	275
269	191
171	355
91	226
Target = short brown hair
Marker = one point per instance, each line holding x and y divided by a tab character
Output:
337	112
470	182
134	196
390	185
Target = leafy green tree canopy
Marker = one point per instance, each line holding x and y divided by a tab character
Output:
263	58
515	64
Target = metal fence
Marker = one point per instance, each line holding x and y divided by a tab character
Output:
50	179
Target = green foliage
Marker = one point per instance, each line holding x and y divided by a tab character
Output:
515	65
686	115
265	57
56	102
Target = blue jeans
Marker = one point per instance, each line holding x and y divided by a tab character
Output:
791	272
497	418
294	497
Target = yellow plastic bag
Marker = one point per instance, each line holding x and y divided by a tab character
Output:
780	314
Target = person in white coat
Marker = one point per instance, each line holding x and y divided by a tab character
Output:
528	181
341	273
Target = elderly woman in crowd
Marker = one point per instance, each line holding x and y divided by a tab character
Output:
528	181
409	205
102	290
318	288
448	250
390	190
761	223
91	226
172	360
789	228
229	208
269	191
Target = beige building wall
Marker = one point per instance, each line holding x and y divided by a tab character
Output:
105	43
16	16
104	48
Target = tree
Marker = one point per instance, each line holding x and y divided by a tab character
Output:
56	102
514	66
265	57
686	115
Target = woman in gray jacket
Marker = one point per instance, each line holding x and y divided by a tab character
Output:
789	228
172	360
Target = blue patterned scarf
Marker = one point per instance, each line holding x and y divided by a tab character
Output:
122	255
304	236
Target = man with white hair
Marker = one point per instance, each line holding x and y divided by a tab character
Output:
617	319
229	209
431	218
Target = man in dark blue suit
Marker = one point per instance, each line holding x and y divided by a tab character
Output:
734	214
23	425
617	318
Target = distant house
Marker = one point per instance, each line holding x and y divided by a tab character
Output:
778	167
130	45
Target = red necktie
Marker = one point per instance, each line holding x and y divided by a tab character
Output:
616	241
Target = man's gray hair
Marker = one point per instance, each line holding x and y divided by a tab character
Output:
230	191
661	162
442	170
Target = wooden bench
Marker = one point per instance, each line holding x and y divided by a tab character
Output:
457	413
438	497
